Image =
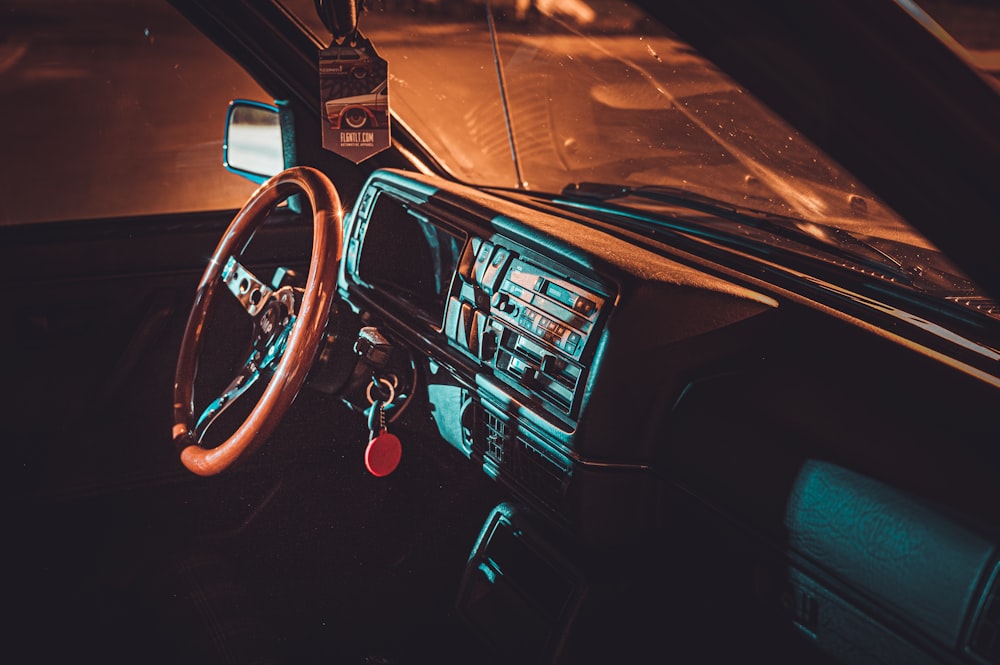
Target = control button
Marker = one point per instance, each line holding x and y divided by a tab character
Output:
492	274
482	261
584	306
484	251
352	252
501	301
451	324
572	342
521	369
467	264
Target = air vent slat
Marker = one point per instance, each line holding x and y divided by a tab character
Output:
519	460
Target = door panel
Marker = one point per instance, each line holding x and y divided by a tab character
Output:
94	326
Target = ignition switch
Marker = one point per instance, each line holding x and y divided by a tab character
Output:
373	348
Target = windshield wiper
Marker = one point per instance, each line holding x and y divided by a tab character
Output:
820	236
502	81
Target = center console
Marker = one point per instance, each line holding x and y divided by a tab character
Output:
528	324
533	327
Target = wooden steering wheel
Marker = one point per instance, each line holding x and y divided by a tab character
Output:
288	322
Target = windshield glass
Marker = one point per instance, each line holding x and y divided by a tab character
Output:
971	27
543	94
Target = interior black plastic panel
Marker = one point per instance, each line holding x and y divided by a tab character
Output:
844	466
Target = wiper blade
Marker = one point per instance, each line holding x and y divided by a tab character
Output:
810	233
602	191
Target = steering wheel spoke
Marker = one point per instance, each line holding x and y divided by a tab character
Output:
252	293
247	376
261	363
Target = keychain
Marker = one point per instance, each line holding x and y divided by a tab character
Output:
384	448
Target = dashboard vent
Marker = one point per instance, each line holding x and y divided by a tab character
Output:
495	431
984	639
518	460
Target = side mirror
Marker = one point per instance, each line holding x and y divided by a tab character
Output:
254	142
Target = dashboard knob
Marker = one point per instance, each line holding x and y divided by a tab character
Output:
502	302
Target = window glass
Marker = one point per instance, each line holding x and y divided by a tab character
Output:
973	24
112	108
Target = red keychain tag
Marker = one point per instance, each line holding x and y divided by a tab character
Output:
383	454
354	92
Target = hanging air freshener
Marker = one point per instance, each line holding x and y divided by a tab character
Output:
354	93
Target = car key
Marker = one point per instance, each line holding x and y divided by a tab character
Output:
384	449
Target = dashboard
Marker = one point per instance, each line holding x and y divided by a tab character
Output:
627	395
540	334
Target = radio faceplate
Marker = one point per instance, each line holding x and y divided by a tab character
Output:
530	325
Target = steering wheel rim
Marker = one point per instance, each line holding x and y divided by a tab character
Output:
306	330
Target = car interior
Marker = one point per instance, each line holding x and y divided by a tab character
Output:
476	424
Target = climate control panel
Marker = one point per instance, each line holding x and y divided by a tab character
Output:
529	323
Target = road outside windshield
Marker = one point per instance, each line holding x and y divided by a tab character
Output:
113	108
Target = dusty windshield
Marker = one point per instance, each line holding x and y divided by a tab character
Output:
541	95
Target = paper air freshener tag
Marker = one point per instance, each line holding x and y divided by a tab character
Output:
355	97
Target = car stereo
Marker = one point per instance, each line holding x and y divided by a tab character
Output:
533	328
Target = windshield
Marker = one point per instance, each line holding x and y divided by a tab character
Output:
546	94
